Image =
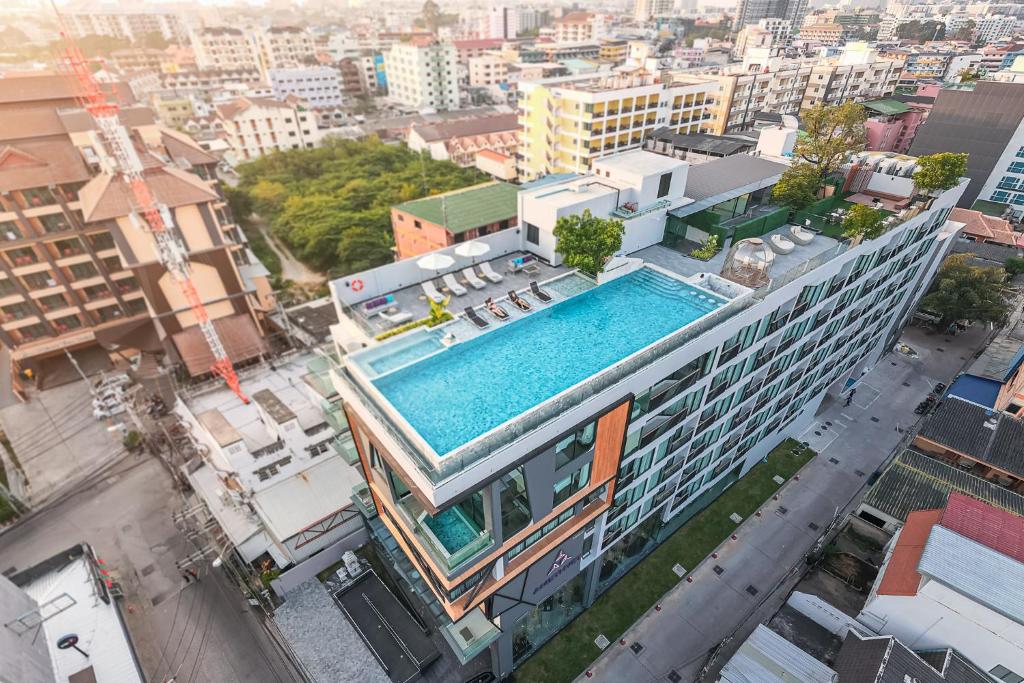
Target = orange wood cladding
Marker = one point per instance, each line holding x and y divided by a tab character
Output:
609	439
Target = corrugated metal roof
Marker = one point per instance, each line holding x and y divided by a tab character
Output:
901	576
976	571
730	173
977	390
916	482
468	208
766	657
997	529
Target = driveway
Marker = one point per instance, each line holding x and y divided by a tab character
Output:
751	576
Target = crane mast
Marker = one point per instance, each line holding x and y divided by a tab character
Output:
147	212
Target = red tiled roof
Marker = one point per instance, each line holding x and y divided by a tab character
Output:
478	44
492	155
901	577
238	333
988	228
991	526
575	18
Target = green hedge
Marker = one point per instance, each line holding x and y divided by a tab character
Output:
761	225
818	208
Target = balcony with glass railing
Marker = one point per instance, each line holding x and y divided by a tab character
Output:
450	536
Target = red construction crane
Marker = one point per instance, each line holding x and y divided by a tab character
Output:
155	216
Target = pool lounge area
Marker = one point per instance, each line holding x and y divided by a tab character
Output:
453	394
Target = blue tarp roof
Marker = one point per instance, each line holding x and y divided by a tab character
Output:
977	390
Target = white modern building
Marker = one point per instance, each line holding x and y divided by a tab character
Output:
271	470
320	86
954	578
645	10
285	47
423	75
132	24
521	461
224	48
752	11
255	126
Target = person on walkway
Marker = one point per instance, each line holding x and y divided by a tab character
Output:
187	577
192	572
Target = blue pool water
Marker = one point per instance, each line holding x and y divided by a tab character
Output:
416	346
470	388
452	529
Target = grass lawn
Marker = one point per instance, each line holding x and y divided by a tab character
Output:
568	654
835	230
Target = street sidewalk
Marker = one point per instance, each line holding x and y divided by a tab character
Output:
751	576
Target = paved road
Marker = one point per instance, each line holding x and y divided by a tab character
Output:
765	561
291	268
200	632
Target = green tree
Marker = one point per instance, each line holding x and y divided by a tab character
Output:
360	249
965	292
587	241
707	249
921	30
267	197
965	32
830	135
798	186
864	222
968	75
940	171
431	14
1013	266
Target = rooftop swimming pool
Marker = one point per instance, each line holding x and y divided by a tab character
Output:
468	389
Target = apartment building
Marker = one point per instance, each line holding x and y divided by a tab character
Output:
951	580
579	27
569	122
892	125
273	467
255	126
208	81
132	24
459	140
990	28
135	58
488	70
829	35
79	270
284	47
423	74
755	37
520	474
319	86
645	10
752	11
763	83
984	119
224	48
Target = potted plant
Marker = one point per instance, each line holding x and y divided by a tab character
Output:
707	249
586	241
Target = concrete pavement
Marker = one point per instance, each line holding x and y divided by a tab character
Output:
749	580
200	632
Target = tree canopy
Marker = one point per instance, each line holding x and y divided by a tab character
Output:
940	171
798	186
965	292
830	134
332	205
863	221
586	241
921	30
965	32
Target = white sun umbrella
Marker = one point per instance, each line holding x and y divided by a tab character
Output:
472	249
435	262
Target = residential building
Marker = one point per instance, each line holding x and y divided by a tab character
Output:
285	47
503	23
135	58
351	80
224	48
468	49
70	593
870	659
982	118
496	165
273	467
579	27
767	657
987	229
318	86
829	35
625	408
424	225
459	140
763	83
752	11
645	10
892	125
255	126
990	28
921	66
132	24
613	50
208	81
951	580
762	36
488	70
569	122
914	481
79	269
171	111
423	75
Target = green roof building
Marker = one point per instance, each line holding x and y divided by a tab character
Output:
423	225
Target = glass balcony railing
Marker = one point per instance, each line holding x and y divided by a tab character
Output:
450	536
470	635
364	500
344	446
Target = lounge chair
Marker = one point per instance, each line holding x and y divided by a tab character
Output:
476	319
396	318
431	291
541	295
800	235
474	281
520	303
453	285
488	272
780	245
496	310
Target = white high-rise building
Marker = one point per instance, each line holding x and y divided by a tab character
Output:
320	86
224	48
285	46
423	74
503	22
645	10
752	11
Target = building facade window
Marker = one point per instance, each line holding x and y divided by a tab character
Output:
532	234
